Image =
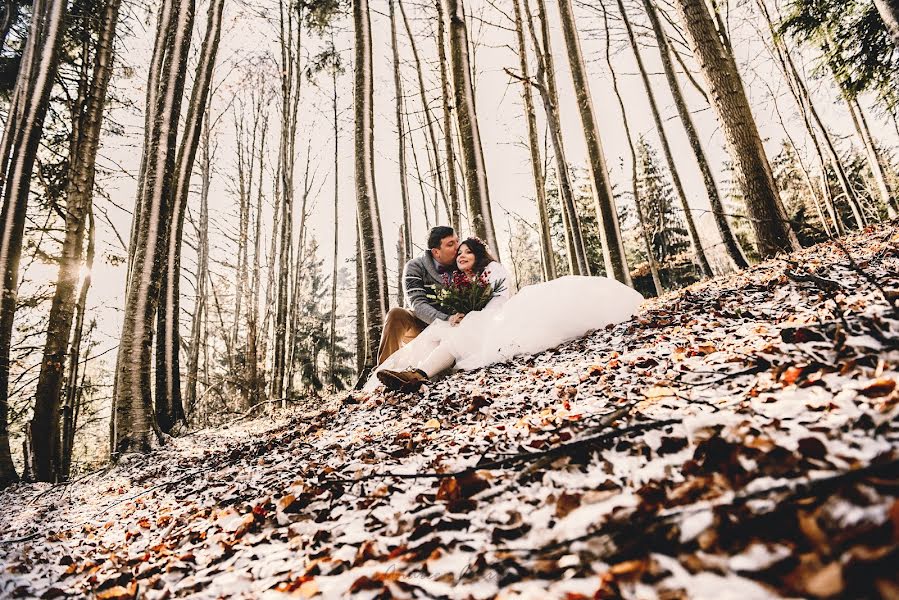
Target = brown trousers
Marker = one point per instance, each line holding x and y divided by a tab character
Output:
400	327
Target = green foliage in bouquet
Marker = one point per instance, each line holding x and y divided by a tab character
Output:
459	294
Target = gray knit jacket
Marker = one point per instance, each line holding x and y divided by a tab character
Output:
418	277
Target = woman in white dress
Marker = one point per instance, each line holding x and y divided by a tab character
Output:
539	317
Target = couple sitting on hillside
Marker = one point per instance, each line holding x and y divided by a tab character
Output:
424	340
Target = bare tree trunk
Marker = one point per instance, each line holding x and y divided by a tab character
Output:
279	358
421	183
169	406
406	249
361	341
401	241
813	192
727	235
807	109
606	214
549	267
87	119
70	405
446	94
701	260
374	265
291	76
161	43
245	145
18	151
270	291
252	350
428	118
546	85
332	338
751	168
134	425
479	212
875	158
196	328
889	12
635	183
299	262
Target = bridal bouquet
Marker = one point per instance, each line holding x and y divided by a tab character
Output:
459	294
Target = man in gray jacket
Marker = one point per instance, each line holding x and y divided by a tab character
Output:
404	324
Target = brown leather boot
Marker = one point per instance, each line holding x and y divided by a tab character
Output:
403	381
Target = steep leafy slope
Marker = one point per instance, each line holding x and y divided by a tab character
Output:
736	439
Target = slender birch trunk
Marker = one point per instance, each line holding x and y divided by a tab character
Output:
291	76
252	349
361	341
479	212
421	182
169	406
546	85
751	167
406	249
876	162
297	276
265	330
809	112
161	43
606	213
71	403
428	115
18	152
134	425
446	95
196	327
731	245
87	118
699	253
635	178
374	266
243	148
332	337
549	267
401	241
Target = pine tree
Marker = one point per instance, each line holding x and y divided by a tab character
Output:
794	191
313	340
669	235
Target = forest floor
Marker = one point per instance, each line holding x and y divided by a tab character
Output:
736	439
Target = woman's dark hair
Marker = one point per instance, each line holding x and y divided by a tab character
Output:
438	234
482	256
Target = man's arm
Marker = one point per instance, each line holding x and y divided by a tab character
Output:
417	295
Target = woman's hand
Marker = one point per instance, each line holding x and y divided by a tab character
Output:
456	319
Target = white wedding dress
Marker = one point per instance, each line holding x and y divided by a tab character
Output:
539	317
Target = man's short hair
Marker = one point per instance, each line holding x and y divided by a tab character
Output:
437	235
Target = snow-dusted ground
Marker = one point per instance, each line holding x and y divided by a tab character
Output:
737	439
